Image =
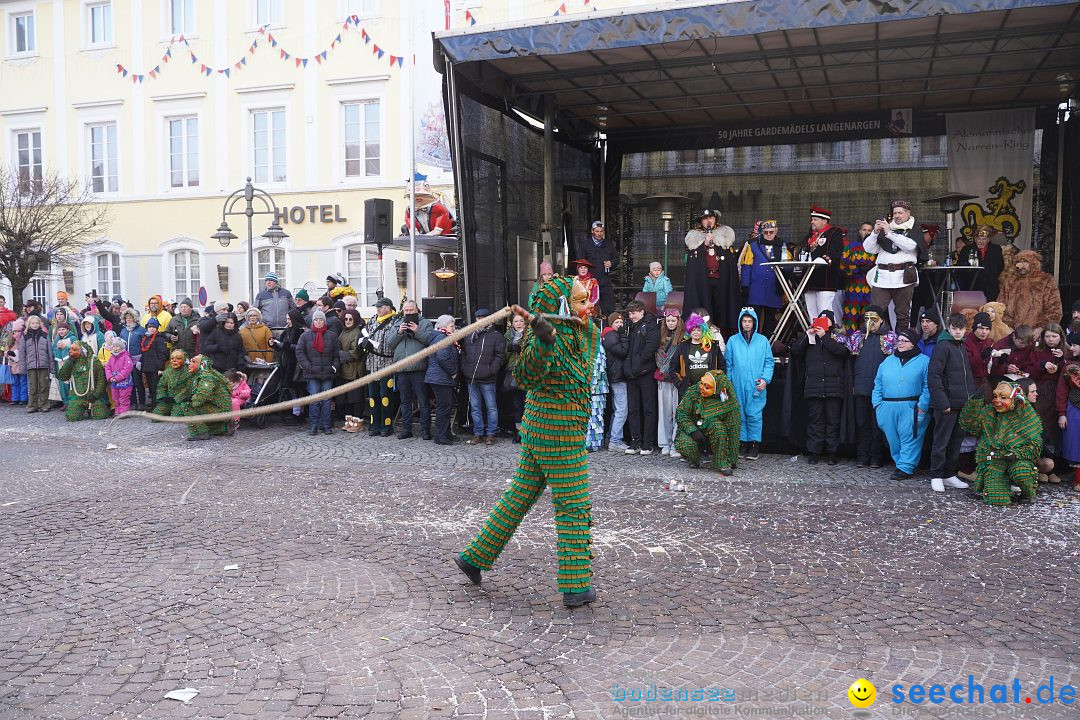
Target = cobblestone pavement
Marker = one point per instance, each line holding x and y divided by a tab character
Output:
284	576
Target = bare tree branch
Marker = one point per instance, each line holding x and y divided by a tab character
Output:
52	220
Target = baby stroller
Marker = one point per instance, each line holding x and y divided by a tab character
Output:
271	389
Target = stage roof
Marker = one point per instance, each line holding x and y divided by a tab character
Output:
643	71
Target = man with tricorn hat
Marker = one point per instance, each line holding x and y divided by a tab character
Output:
893	278
712	271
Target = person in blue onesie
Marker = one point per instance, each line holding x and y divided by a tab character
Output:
750	367
901	401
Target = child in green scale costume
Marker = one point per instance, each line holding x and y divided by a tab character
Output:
88	386
708	417
555	370
174	387
1010	440
210	393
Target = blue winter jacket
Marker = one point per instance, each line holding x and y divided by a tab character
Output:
895	380
661	286
747	362
444	364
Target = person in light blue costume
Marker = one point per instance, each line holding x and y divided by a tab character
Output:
750	367
901	400
656	281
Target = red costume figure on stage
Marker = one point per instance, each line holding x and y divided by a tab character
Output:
433	217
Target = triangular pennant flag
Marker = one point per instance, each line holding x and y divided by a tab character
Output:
209	71
237	65
375	50
227	71
399	61
183	40
285	55
393	59
243	61
345	26
338	38
298	61
323	54
194	59
202	68
318	59
253	46
381	53
332	44
119	68
152	74
305	62
356	19
363	34
168	52
262	30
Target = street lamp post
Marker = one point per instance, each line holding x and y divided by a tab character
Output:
274	233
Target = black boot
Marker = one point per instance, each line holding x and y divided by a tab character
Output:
473	573
743	447
752	451
572	600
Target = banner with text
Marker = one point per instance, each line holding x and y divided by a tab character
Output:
889	123
992	156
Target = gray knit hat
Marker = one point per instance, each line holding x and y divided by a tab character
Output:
318	315
444	321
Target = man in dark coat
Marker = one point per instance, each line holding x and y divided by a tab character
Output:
825	385
712	272
951	383
482	356
605	258
870	345
824	245
986	255
643	339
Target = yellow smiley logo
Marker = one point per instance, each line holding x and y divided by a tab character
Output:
862	693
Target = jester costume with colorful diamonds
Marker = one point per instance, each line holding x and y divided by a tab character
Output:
210	393
854	264
1010	441
88	387
716	415
557	380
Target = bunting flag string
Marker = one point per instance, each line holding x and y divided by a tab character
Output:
264	34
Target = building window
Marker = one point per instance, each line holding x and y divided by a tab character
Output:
933	145
267	12
39	290
28	160
100	23
688	157
361	120
271	260
24	38
804	151
363	268
268	144
103	162
108	275
360	8
182	17
186	276
184	152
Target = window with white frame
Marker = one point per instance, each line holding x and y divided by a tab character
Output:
361	8
23	34
183	152
181	17
361	132
103	161
28	160
108	274
39	290
363	268
268	12
99	23
271	259
268	145
186	274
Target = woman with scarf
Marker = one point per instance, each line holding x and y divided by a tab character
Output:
667	393
87	383
901	402
351	367
1010	441
763	294
317	355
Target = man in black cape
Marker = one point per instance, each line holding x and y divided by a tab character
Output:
712	272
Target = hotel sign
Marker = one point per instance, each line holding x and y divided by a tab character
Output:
297	214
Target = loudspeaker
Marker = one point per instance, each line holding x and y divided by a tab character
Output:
377	215
433	307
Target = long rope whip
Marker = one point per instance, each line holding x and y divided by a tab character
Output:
353	384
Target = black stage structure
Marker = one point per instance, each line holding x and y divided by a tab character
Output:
541	117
